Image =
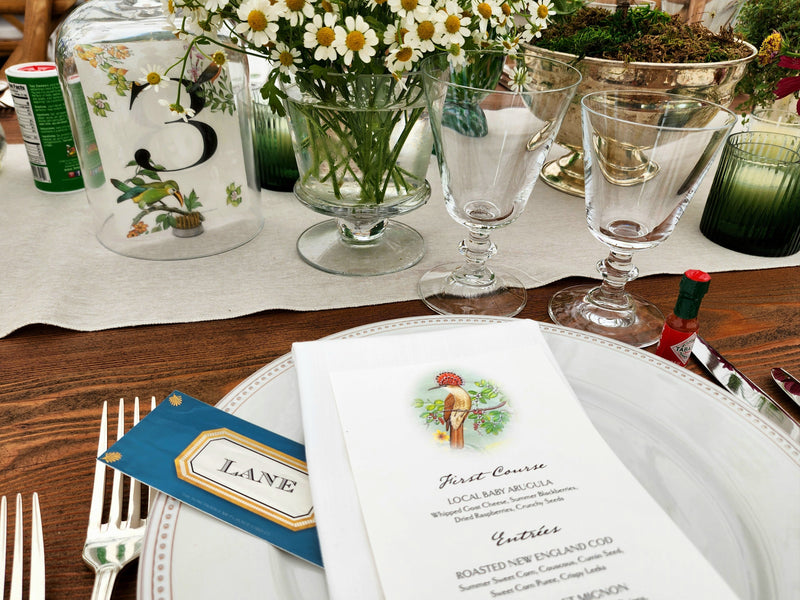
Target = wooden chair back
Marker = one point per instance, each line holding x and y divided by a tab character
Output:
40	19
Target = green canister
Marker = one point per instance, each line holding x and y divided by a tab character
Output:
43	121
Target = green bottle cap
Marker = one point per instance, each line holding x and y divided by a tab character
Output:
694	285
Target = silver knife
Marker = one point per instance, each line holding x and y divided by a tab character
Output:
740	386
788	383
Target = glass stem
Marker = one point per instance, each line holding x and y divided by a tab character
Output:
617	270
477	249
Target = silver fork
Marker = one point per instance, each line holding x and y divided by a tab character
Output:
112	545
36	583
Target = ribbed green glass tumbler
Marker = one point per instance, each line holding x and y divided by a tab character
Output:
754	203
272	142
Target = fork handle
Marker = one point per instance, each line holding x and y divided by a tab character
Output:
104	582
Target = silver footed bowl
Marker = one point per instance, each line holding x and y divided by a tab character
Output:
709	81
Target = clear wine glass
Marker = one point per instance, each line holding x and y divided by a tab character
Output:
646	153
491	142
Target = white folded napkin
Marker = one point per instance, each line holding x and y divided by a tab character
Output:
543	510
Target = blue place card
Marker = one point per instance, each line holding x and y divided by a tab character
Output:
226	467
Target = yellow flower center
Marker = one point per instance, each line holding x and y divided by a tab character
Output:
257	20
325	36
404	54
153	78
326	6
400	35
506	9
542	11
409	5
295	5
484	10
425	30
452	24
219	57
355	41
286	58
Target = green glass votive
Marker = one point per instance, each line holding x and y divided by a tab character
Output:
272	141
754	203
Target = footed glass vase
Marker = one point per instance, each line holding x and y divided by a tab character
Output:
363	145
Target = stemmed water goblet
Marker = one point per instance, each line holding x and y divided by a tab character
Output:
490	144
645	156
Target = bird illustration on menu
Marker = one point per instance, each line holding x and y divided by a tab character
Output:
457	406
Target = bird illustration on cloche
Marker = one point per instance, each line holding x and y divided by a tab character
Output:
147	194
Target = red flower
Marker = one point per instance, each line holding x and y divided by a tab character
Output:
789	85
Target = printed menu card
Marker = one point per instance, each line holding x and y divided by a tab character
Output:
457	463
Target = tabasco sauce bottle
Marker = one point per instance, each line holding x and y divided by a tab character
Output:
680	328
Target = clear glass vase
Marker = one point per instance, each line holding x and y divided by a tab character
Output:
168	161
363	146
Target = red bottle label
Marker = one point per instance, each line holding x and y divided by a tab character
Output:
676	345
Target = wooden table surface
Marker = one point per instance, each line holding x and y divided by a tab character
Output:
54	381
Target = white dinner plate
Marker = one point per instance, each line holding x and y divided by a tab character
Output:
728	478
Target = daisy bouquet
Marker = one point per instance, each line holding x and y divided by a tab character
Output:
356	53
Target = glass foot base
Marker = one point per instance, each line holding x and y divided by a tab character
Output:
638	326
565	174
322	246
505	297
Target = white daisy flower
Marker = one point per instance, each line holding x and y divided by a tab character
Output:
505	19
422	32
258	21
355	38
510	43
168	8
543	10
286	58
320	36
214	5
177	109
456	56
518	82
531	32
487	12
154	77
402	59
452	27
329	7
409	8
199	21
297	11
373	4
395	34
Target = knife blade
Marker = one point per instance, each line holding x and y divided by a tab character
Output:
788	383
743	389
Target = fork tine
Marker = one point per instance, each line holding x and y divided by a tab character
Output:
115	510
134	491
99	486
3	511
16	565
36	584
